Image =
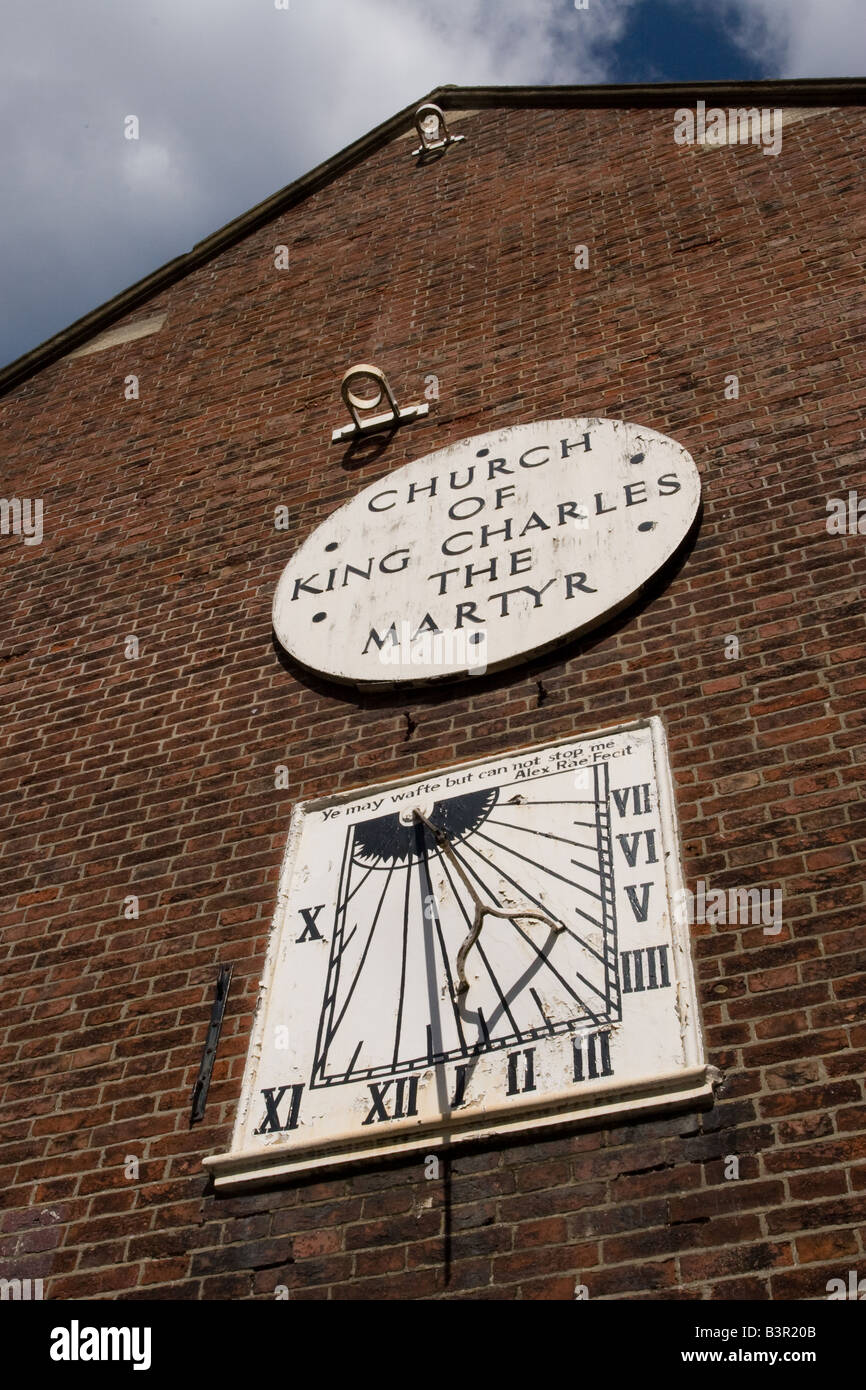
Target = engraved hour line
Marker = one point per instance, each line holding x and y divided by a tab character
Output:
320	1054
332	1025
480	909
551	966
528	939
344	941
339	953
546	834
503	998
467	1048
602	828
443	864
552	872
570	930
535	865
585	944
430	896
403	965
359	886
435	1046
540	1007
608	962
566	801
553	875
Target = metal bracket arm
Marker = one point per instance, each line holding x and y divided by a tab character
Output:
367	423
205	1071
482	909
430	140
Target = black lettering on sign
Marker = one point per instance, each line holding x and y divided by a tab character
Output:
592	1055
459	1087
567	447
631	850
389	636
646	968
273	1099
405	1102
640	908
640	797
528	1071
307	586
311	931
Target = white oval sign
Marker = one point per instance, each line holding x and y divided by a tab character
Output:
482	553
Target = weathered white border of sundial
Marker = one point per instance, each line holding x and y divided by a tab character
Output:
693	1087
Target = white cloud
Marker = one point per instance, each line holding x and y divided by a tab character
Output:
235	99
796	38
148	171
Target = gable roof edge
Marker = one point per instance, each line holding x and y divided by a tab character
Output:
102	317
819	92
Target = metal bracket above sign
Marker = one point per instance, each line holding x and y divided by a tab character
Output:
366	423
433	129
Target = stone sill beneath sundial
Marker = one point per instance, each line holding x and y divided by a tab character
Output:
253	1168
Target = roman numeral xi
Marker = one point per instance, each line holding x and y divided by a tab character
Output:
273	1097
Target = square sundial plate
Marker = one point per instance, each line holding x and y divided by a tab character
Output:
579	998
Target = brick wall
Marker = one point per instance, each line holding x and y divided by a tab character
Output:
155	776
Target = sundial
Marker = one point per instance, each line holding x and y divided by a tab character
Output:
493	947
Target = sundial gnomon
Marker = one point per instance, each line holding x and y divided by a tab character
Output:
539	843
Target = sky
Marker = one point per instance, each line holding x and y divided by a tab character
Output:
237	98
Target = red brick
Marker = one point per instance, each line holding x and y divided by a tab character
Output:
826	1246
156	777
